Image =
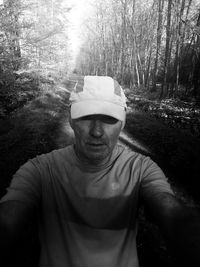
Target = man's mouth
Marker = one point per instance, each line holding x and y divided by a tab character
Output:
96	145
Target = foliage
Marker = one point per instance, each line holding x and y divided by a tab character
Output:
33	33
16	92
175	113
33	43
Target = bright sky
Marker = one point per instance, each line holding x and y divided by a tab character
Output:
81	10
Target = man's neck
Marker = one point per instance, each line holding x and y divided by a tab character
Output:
92	162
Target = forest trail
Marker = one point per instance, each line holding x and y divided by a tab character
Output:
42	125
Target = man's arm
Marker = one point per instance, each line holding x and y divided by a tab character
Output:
15	220
180	226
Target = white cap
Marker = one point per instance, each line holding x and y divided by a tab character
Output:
98	95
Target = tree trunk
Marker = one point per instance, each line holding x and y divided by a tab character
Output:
179	15
167	50
159	34
148	69
196	73
123	36
186	18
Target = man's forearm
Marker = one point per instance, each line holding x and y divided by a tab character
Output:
6	229
15	218
180	226
183	237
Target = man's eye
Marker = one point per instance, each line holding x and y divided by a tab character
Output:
109	120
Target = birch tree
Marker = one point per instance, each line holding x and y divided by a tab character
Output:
160	5
167	50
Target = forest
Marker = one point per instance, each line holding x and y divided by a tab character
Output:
145	44
151	47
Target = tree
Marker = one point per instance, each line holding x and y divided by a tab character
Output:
196	60
33	35
10	33
167	50
160	4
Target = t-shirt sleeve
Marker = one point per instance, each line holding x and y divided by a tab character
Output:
25	185
153	180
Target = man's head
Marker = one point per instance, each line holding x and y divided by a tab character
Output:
98	112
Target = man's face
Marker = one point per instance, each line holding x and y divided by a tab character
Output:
96	136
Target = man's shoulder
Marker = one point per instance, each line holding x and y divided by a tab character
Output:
64	151
54	155
126	152
125	156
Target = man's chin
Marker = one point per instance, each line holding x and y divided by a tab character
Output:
97	157
94	156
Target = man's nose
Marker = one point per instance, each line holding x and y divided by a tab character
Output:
96	128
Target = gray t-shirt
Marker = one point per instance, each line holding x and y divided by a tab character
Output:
88	215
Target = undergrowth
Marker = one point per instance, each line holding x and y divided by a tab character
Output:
176	151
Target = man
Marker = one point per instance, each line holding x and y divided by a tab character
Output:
87	195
